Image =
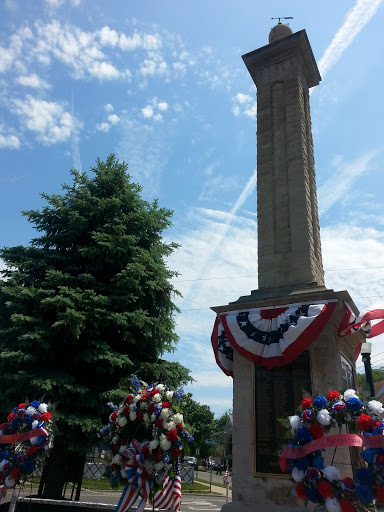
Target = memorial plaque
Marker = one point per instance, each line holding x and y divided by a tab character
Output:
278	392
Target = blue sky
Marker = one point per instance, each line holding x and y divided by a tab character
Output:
162	85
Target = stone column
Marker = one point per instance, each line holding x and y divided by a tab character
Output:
289	249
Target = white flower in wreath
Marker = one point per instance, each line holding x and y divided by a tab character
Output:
33	440
160	387
298	474
153	418
132	407
3	463
332	505
122	421
165	445
294	422
331	473
132	415
42	408
123	473
159	465
170	425
165	413
178	418
136	398
156	398
9	482
116	459
115	439
169	395
323	417
35	424
143	405
147	418
349	393
122	449
153	444
30	411
375	407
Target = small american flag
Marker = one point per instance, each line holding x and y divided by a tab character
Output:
226	478
169	498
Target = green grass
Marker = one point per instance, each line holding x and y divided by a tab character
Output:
213	483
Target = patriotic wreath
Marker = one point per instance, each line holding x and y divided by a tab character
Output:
142	443
24	441
302	455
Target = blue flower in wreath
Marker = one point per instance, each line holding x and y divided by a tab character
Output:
338	407
306	416
314	495
301	463
354	404
320	402
317	461
378	428
365	494
28	466
303	435
368	455
364	476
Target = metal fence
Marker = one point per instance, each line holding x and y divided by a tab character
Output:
96	470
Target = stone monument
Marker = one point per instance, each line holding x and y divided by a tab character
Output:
291	280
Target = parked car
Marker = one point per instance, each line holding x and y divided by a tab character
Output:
192	461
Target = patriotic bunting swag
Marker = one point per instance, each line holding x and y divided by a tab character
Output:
277	335
148	466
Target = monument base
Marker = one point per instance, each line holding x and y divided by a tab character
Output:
241	506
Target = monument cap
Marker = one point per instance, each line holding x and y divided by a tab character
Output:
279	32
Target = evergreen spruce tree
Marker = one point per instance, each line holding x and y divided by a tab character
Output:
85	305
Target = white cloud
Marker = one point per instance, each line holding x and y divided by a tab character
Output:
354	22
104	71
33	81
108	36
245	104
158	117
103	127
343	177
130	42
108	107
147	112
9	142
162	105
113	118
47	119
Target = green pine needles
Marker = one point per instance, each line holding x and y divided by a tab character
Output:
88	302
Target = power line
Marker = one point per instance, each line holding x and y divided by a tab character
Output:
255	275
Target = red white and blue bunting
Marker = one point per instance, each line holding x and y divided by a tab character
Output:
277	335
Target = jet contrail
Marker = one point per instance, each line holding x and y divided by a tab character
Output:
355	20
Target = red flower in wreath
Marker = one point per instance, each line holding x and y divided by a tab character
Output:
15	473
332	395
380	493
306	403
300	491
140	415
325	489
166	405
145	398
364	422
11	416
174	452
316	431
179	427
47	416
154	392
128	399
172	435
159	423
32	449
157	455
21	406
346	505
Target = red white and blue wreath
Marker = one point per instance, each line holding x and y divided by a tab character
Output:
303	454
24	441
143	441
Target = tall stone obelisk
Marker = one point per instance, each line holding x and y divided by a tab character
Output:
290	272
